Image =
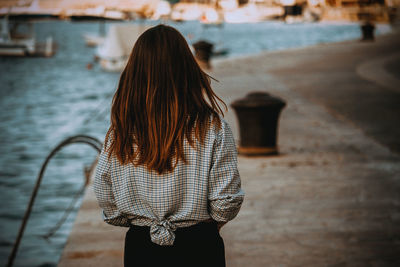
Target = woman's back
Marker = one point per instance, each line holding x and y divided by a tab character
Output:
207	186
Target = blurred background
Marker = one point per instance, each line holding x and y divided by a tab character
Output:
60	64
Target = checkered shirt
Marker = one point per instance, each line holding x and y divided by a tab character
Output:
208	186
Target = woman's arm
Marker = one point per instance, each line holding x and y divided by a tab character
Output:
103	190
225	193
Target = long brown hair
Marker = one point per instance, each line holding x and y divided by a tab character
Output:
161	99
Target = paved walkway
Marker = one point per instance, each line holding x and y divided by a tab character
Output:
331	198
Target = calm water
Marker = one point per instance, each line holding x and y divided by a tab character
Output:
44	100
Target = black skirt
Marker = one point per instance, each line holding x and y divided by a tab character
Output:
197	245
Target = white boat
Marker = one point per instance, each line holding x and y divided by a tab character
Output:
93	39
113	53
14	43
18	39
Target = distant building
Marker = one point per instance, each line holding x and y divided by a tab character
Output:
113	9
360	10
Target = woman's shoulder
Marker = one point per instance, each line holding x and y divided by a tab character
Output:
220	126
109	139
224	140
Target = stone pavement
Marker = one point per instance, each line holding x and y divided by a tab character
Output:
331	198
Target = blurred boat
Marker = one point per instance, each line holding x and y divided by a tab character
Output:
113	53
18	39
93	39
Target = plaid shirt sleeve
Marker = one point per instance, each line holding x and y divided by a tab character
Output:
225	193
104	194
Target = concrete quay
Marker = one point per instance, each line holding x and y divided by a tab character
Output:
332	196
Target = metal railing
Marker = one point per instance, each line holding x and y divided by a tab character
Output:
93	142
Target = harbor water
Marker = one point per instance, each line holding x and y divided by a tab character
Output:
45	100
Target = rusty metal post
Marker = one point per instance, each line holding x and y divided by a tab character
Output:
203	51
367	30
258	115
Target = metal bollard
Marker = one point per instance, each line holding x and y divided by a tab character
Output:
258	115
203	51
367	30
